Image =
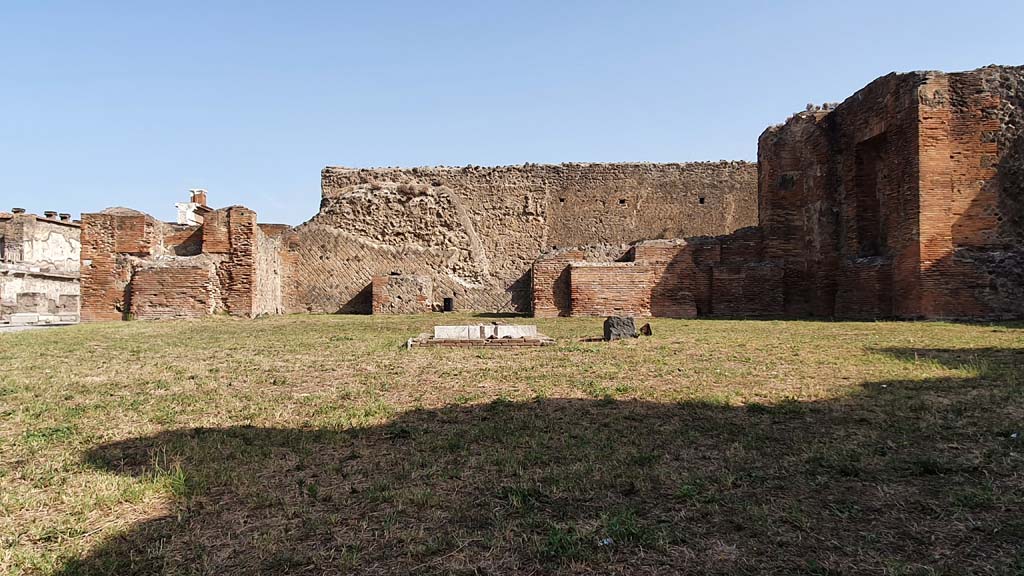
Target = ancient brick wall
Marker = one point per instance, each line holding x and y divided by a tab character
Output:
402	294
550	284
134	266
163	293
840	185
552	296
747	290
673	281
237	273
902	201
610	289
972	249
477	231
104	276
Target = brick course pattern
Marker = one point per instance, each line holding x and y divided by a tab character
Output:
166	293
903	201
610	289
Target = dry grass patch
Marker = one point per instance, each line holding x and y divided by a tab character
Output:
316	444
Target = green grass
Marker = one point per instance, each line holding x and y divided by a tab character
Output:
317	444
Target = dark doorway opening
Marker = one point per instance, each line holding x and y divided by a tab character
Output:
868	182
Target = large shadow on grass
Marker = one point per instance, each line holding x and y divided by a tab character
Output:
901	477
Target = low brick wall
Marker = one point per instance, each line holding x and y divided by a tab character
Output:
610	289
165	293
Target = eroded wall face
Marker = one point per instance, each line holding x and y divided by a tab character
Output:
972	194
402	294
903	201
39	266
134	266
610	289
838	202
477	231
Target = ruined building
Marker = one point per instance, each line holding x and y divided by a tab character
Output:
903	201
39	262
906	200
466	234
134	266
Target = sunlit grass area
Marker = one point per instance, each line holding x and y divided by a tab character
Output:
318	444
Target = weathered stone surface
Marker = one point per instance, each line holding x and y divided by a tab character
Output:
485	331
39	264
515	331
402	294
619	327
135	266
476	231
458	332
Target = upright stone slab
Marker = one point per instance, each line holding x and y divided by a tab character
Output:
619	327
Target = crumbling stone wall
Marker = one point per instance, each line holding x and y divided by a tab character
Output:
269	273
477	231
39	265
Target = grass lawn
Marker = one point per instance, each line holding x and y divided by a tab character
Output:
318	445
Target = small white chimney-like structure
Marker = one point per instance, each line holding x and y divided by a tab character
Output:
191	212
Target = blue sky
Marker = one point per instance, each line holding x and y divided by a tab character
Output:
130	104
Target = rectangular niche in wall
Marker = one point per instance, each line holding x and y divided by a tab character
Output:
867	188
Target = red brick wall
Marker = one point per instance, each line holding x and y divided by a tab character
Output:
237	273
960	192
216	235
863	289
120	248
610	289
840	185
105	276
744	290
164	293
552	295
673	278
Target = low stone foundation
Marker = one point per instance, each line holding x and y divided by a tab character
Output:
481	335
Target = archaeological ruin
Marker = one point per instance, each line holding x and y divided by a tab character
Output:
903	201
39	268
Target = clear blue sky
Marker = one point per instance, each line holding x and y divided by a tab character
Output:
131	104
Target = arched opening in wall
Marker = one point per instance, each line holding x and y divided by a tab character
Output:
868	179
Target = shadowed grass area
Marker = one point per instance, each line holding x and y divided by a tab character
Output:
316	444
